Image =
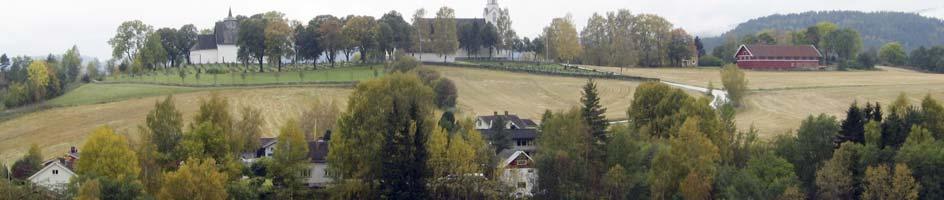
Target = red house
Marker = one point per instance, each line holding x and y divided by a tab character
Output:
777	57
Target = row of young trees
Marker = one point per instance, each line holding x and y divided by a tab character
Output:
24	80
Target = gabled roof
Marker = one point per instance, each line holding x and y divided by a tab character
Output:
514	156
514	119
50	166
781	50
205	42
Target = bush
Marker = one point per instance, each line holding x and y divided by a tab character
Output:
709	60
405	63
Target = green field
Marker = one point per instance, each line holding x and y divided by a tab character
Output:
233	77
101	93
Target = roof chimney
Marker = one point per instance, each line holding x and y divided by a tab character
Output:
73	150
506	113
495	113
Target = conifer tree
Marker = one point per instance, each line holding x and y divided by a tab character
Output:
853	127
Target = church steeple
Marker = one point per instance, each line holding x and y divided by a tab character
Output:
230	12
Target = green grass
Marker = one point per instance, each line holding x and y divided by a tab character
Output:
101	93
234	76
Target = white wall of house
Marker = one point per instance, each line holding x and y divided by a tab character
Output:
54	176
318	175
521	179
205	56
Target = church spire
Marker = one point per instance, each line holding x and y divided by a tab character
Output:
230	12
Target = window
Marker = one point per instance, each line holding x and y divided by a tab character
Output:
522	184
521	162
55	171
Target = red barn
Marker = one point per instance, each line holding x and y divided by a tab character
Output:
777	57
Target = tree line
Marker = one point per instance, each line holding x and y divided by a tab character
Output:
25	80
270	38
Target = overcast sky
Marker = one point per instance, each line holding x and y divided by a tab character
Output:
39	27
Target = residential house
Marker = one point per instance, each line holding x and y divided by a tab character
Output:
57	172
315	174
523	132
519	171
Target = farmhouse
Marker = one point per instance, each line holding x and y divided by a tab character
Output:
522	132
56	172
315	175
518	171
777	57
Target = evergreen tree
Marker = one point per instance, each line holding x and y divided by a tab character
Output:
593	114
499	138
853	127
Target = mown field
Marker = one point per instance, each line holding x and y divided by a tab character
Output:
779	101
231	76
776	105
125	106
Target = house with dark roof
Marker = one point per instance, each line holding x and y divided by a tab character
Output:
522	132
220	46
519	172
315	174
778	57
57	172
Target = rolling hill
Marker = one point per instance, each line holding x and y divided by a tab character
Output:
876	28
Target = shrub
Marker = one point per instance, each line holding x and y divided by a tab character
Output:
709	60
405	63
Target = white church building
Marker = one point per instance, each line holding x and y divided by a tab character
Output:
489	16
219	47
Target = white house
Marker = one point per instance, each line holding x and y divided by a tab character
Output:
315	175
519	172
56	173
523	132
219	47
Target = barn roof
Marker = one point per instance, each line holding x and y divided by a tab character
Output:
782	50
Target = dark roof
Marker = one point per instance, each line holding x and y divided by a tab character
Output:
783	50
516	134
205	42
318	151
521	123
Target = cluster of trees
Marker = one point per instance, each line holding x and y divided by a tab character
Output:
877	28
622	39
136	47
24	80
675	146
928	59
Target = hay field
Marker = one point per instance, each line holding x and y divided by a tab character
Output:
482	92
55	130
779	101
767	80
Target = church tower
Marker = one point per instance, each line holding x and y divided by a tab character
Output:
491	12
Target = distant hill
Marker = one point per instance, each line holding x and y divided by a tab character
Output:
876	28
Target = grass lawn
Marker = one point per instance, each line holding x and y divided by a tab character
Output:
101	93
344	74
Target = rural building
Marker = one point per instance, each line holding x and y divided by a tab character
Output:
220	46
315	174
523	132
777	57
490	16
56	172
518	171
